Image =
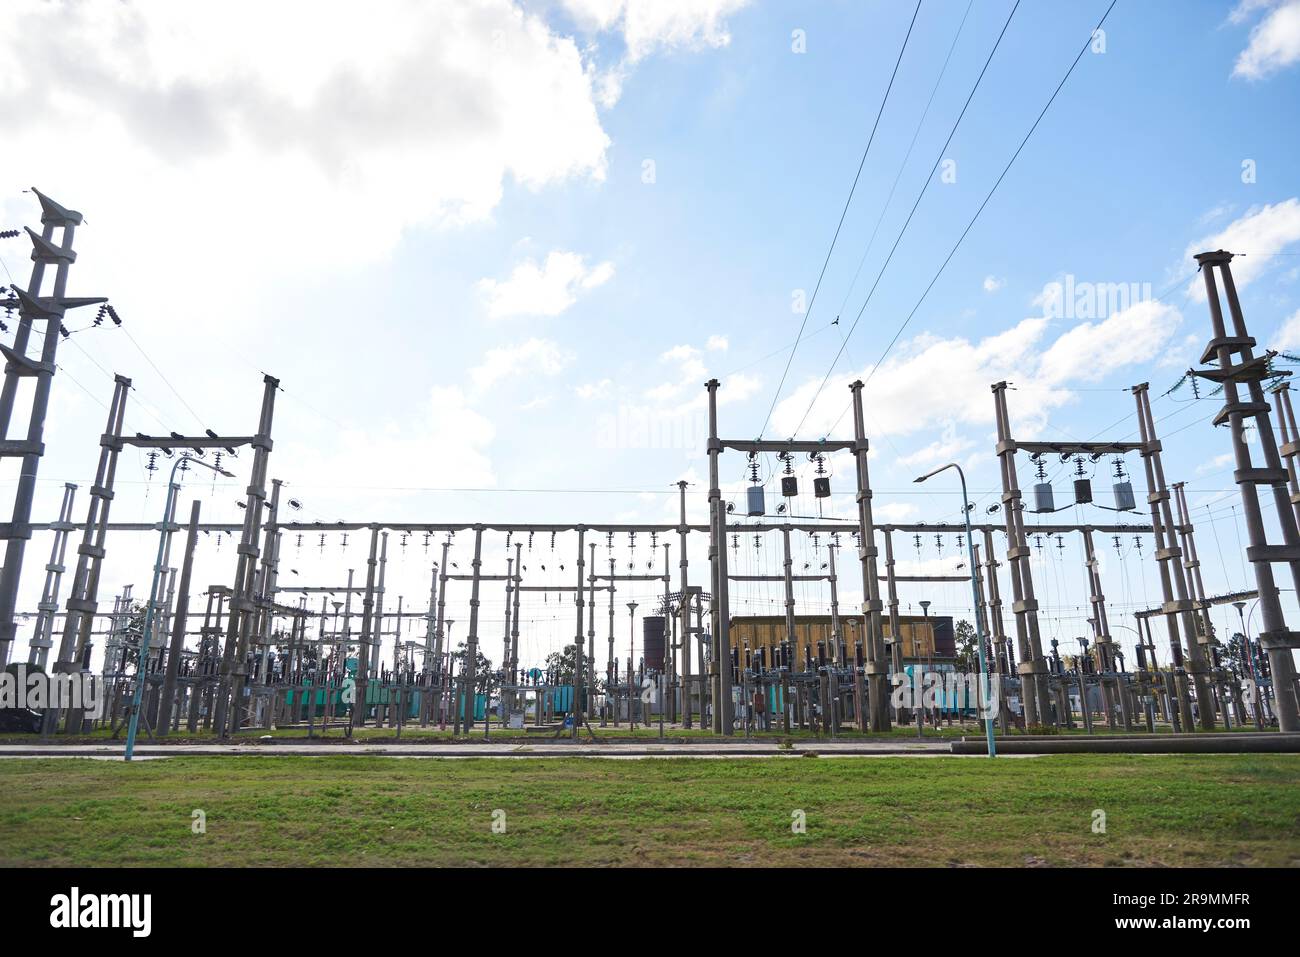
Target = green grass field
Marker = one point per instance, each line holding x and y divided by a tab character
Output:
1162	810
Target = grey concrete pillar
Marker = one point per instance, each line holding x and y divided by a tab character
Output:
243	609
1276	637
43	633
1033	665
177	646
722	704
877	668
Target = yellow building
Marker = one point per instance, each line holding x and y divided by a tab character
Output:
924	638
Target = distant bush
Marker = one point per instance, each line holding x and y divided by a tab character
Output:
1039	729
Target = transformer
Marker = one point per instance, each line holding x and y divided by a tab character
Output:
789	486
1124	501
1082	491
822	486
754	496
1043	497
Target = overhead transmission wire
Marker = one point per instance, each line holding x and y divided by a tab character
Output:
965	232
903	166
39	331
843	213
921	195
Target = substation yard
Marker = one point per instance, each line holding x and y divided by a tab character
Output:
343	810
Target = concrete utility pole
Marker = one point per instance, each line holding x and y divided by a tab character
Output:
1006	661
1237	364
577	711
722	705
591	625
243	609
837	636
667	680
631	657
1178	605
1103	644
32	307
1033	665
612	699
683	610
1290	447
469	669
43	634
266	589
165	703
901	715
82	603
876	667
358	716
513	662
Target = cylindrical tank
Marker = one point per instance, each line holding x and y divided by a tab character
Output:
1043	497
1124	501
652	634
755	499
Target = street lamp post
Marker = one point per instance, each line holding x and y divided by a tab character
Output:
1250	663
985	689
138	693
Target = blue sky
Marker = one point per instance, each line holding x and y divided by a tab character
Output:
482	245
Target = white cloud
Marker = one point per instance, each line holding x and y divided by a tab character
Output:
951	371
993	283
545	290
1287	337
650	25
594	390
1090	351
1259	233
930	381
900	513
304	143
446	438
1214	464
1274	41
946	448
717	344
688	374
530	356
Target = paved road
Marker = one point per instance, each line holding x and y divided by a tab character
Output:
752	749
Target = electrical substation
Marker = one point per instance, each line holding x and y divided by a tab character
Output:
252	652
748	637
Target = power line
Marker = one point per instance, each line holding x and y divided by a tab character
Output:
844	212
190	408
903	166
1006	169
924	188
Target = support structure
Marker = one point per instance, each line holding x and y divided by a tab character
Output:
1033	667
33	307
43	635
1239	366
1178	603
